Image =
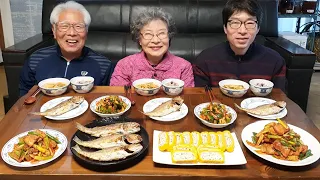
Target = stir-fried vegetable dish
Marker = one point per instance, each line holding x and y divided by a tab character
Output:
216	113
278	140
110	105
35	146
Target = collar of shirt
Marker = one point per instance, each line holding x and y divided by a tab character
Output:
246	56
84	53
164	65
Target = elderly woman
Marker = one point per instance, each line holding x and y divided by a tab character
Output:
152	30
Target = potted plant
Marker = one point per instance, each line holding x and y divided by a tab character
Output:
312	30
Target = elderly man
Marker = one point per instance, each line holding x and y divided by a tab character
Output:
69	58
240	57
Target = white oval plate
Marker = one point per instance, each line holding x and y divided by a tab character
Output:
307	139
8	147
153	103
68	115
253	102
199	108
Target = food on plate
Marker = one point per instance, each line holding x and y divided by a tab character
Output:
221	141
54	85
216	113
209	145
163	141
278	140
110	105
167	107
196	138
234	87
110	154
186	137
118	128
115	142
205	137
149	85
62	107
171	84
229	141
210	155
172	140
266	109
110	141
184	156
213	138
179	139
35	146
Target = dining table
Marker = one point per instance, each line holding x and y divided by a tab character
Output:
18	120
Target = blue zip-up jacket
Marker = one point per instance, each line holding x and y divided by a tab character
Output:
48	62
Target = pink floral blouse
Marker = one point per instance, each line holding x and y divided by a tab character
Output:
136	66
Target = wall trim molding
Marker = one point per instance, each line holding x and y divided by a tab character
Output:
7	20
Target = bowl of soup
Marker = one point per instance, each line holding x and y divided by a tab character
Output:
172	87
146	87
233	87
54	86
82	84
261	87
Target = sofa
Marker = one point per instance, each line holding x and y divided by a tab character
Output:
199	25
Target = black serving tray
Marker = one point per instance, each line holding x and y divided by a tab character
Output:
102	122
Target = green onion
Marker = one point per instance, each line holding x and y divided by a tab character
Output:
306	155
53	138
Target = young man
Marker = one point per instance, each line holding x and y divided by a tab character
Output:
69	58
240	57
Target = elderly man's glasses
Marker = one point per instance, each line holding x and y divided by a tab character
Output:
149	36
64	27
235	24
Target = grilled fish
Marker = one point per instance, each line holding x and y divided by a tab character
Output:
118	128
167	107
266	109
61	108
110	141
110	154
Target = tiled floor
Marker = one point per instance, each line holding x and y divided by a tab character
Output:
313	110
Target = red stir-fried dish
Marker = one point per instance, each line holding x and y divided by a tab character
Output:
278	140
216	113
35	146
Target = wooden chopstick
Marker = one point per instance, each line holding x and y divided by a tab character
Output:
208	93
211	94
126	90
131	99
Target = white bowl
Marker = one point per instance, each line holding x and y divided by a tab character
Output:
233	92
54	91
94	102
82	84
146	92
199	108
261	87
172	87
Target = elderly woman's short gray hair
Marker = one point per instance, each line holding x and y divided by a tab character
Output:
149	15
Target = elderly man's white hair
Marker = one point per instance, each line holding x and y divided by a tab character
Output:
54	17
